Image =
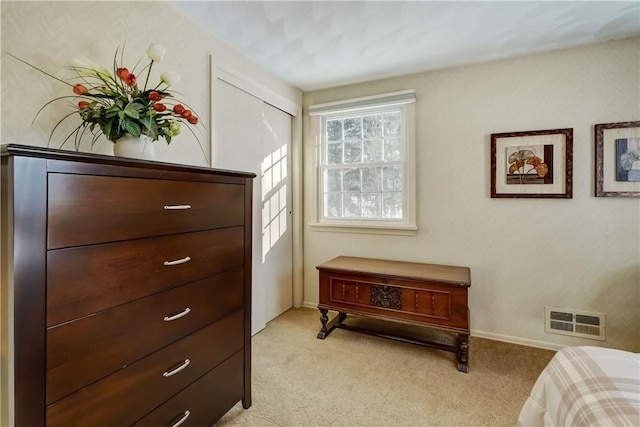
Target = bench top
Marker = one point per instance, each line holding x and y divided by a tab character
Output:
400	269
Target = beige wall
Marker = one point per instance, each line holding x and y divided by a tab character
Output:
582	253
51	34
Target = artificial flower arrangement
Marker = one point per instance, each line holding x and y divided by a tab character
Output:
113	104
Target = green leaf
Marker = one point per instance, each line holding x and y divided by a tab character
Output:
111	130
112	111
131	127
132	110
151	127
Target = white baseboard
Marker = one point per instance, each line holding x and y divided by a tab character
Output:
489	335
516	340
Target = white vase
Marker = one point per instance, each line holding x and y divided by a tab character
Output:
136	147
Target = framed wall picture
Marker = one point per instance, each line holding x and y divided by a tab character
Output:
618	159
532	164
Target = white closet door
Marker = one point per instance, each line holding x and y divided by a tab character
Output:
253	136
277	241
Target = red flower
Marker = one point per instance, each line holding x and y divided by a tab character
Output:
159	107
154	96
79	89
186	114
83	105
178	109
123	73
193	120
130	80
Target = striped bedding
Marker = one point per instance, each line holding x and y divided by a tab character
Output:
586	386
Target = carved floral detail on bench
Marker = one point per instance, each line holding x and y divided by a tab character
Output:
386	296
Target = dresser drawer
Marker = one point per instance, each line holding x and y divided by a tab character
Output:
203	402
133	392
86	209
85	350
124	271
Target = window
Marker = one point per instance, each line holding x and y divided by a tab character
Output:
365	158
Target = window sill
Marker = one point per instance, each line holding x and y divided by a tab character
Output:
365	228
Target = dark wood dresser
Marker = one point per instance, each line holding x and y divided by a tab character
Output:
414	293
126	290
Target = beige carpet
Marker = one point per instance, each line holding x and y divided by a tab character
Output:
352	379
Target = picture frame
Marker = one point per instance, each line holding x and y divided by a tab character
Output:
617	159
532	164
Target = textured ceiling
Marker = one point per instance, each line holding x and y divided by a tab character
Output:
319	44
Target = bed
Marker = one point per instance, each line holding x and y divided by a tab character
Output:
586	386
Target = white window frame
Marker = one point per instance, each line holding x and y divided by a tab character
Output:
405	226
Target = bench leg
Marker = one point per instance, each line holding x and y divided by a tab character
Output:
463	353
327	326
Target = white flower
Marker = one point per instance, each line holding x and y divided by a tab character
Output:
84	67
170	78
174	128
87	68
156	52
102	72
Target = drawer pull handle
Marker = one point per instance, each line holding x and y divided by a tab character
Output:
178	261
178	369
177	316
176	207
182	419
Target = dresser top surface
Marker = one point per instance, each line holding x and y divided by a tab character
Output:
401	269
81	157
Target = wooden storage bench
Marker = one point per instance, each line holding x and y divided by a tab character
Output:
429	295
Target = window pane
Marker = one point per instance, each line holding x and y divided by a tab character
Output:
392	205
372	150
333	205
333	180
392	124
352	152
371	180
363	164
371	205
334	153
334	130
392	149
351	205
351	180
391	178
352	128
372	126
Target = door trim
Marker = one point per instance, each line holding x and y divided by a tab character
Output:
257	89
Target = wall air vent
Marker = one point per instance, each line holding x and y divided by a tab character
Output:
574	323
